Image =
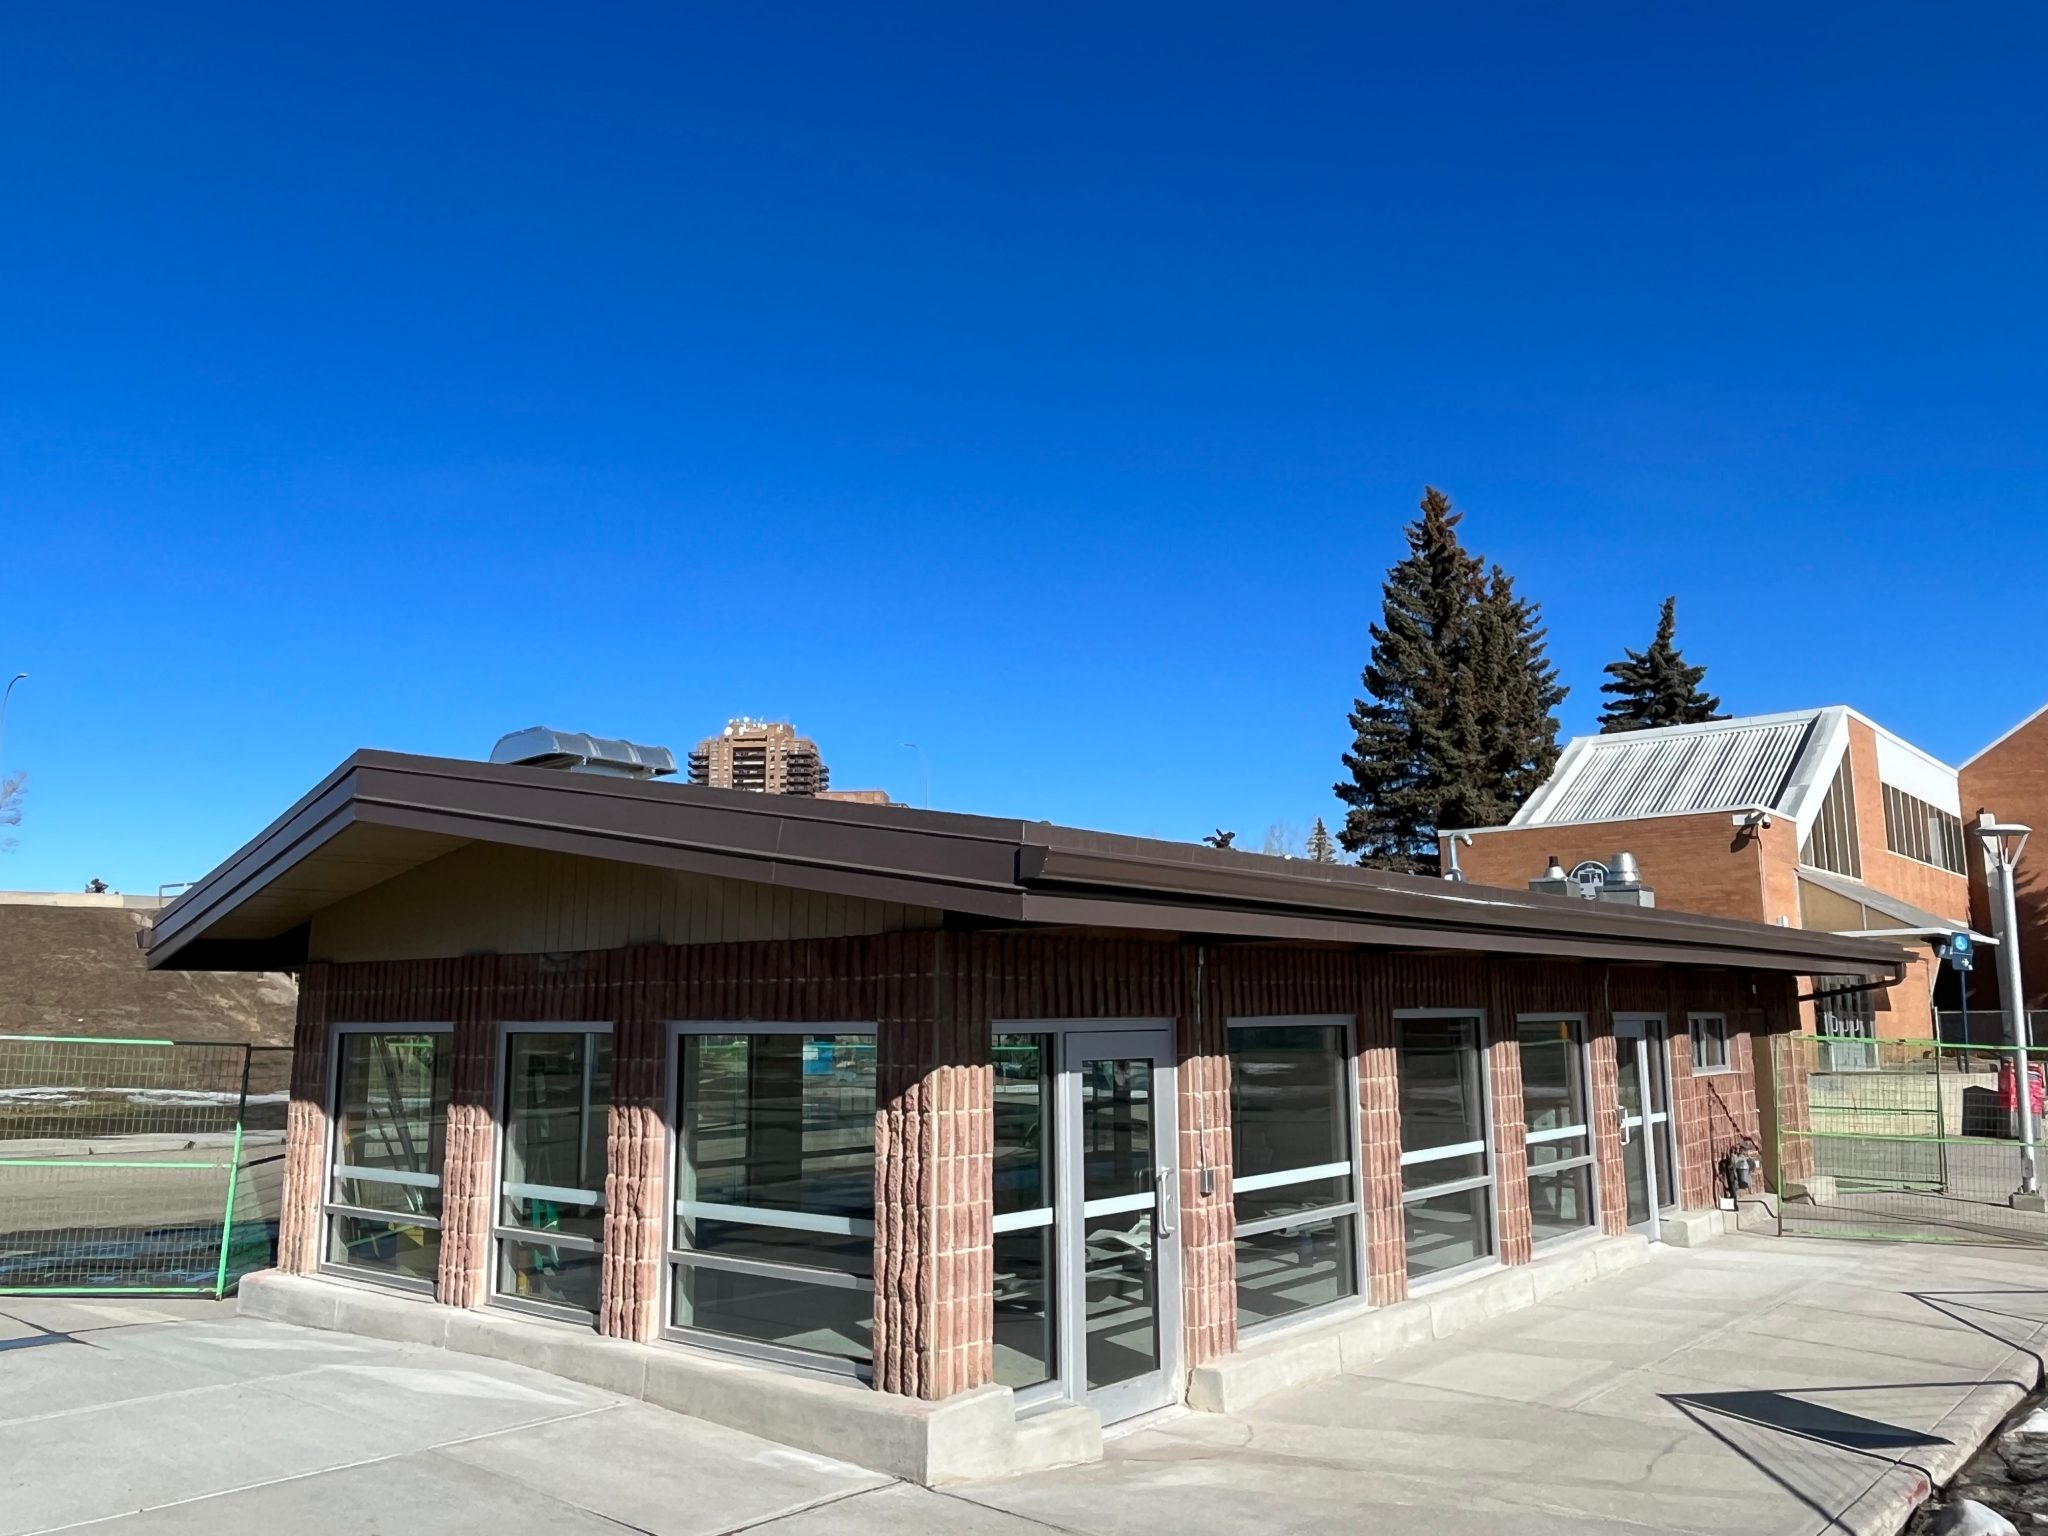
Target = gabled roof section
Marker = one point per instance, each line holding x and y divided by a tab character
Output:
1992	746
380	814
1759	762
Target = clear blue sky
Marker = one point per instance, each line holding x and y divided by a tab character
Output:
1048	388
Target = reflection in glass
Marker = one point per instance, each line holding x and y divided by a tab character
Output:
1288	1087
1553	1078
1445	1231
1560	1143
775	1165
1118	1291
390	1129
550	1272
1441	1100
1292	1269
1116	1129
1560	1200
1025	1339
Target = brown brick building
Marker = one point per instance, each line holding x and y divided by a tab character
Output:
986	1116
2009	778
1819	819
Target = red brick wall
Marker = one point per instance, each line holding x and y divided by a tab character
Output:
1694	863
2010	780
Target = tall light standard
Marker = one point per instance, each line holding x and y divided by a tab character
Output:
2002	842
5	697
911	746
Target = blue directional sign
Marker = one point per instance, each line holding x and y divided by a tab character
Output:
1961	952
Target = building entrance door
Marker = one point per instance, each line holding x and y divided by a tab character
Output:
1118	1245
1643	1080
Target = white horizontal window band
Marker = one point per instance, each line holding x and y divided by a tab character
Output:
1455	1187
763	1216
1282	1177
1292	1219
795	1274
389	1218
1562	1165
555	1192
1023	1221
537	1239
1441	1154
1561	1133
1117	1205
387	1176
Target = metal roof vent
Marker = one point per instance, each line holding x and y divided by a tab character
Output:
574	752
1624	883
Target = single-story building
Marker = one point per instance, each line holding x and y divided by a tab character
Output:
940	1104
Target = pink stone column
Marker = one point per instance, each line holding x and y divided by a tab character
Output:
934	1170
1207	1223
1379	1087
1607	1125
1510	1128
306	1122
466	1173
636	1157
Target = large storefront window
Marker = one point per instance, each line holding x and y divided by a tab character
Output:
1293	1175
773	1240
550	1226
1560	1130
390	1129
1446	1164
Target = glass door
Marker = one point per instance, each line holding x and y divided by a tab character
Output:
1117	1222
1643	1082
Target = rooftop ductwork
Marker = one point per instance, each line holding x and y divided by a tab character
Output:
574	752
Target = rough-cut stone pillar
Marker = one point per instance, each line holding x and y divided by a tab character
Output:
1510	1130
1207	1222
1692	1117
636	1152
1607	1124
1781	1063
466	1175
934	1171
305	1133
1379	1194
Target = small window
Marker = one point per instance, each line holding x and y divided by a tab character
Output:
1710	1043
550	1221
390	1129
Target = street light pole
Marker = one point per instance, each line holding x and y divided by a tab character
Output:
5	698
2002	844
912	746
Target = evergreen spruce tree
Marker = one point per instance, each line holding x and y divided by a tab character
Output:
1322	848
1457	726
1656	687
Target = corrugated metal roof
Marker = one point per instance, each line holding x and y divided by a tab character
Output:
1721	766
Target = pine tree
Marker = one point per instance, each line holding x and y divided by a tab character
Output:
1458	726
1322	848
1656	687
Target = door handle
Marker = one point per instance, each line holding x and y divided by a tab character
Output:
1621	1114
1165	1194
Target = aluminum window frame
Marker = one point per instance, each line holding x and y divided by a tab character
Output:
499	1230
329	1206
1666	1148
1726	1038
1485	1145
1590	1159
1354	1130
674	1257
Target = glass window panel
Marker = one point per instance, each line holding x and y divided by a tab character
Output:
782	1310
557	1089
1444	1231
1289	1092
1562	1150
1025	1307
1116	1128
1118	1286
399	1199
786	1122
849	1254
1296	1269
391	1108
1443	1170
1441	1104
546	1272
395	1248
541	1213
1560	1201
1553	1074
1286	1200
1023	1143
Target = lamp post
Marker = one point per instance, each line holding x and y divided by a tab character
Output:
5	697
911	746
2002	842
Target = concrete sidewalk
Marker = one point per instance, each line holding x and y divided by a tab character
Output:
1757	1386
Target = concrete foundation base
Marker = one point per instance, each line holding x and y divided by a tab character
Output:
1820	1189
970	1435
1693	1229
1328	1347
2022	1202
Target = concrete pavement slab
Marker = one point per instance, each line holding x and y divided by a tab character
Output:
664	1475
903	1510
